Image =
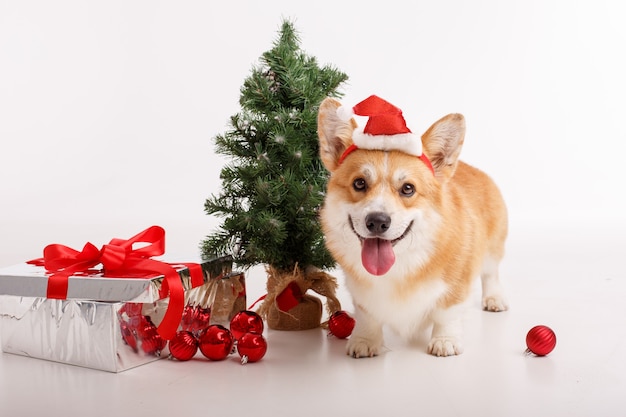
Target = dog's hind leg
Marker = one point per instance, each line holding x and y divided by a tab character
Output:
493	298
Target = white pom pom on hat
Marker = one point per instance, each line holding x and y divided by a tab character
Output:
344	113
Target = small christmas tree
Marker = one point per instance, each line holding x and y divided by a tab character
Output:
274	186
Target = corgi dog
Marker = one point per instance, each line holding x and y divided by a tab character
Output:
409	224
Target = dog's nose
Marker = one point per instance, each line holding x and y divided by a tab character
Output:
377	222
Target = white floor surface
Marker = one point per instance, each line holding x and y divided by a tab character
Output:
570	280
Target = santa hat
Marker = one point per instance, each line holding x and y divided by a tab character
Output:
386	129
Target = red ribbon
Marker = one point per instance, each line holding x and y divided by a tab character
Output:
121	258
290	297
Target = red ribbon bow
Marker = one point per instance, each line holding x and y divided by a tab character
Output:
119	258
290	297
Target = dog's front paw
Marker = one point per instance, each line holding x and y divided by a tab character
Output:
360	347
445	346
495	303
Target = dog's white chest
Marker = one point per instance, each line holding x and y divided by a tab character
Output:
405	312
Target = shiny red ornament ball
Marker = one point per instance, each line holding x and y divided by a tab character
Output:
540	340
195	318
131	309
128	335
341	324
246	321
187	319
140	333
149	338
216	343
201	319
183	345
251	347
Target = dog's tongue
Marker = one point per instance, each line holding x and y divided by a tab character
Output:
377	256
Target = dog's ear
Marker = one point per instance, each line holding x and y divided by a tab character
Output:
335	134
442	144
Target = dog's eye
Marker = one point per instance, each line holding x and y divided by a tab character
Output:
407	190
359	184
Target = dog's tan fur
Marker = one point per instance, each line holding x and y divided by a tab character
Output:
450	230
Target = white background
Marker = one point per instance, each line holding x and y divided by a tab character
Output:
108	109
107	114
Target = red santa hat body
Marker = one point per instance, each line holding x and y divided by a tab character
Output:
386	129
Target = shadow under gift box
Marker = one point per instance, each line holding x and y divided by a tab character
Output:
90	328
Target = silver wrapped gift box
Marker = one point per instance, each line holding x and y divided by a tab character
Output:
88	327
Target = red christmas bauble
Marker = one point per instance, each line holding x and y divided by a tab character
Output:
246	321
188	315
183	345
341	324
251	347
540	340
195	318
149	338
128	335
201	319
216	343
131	309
